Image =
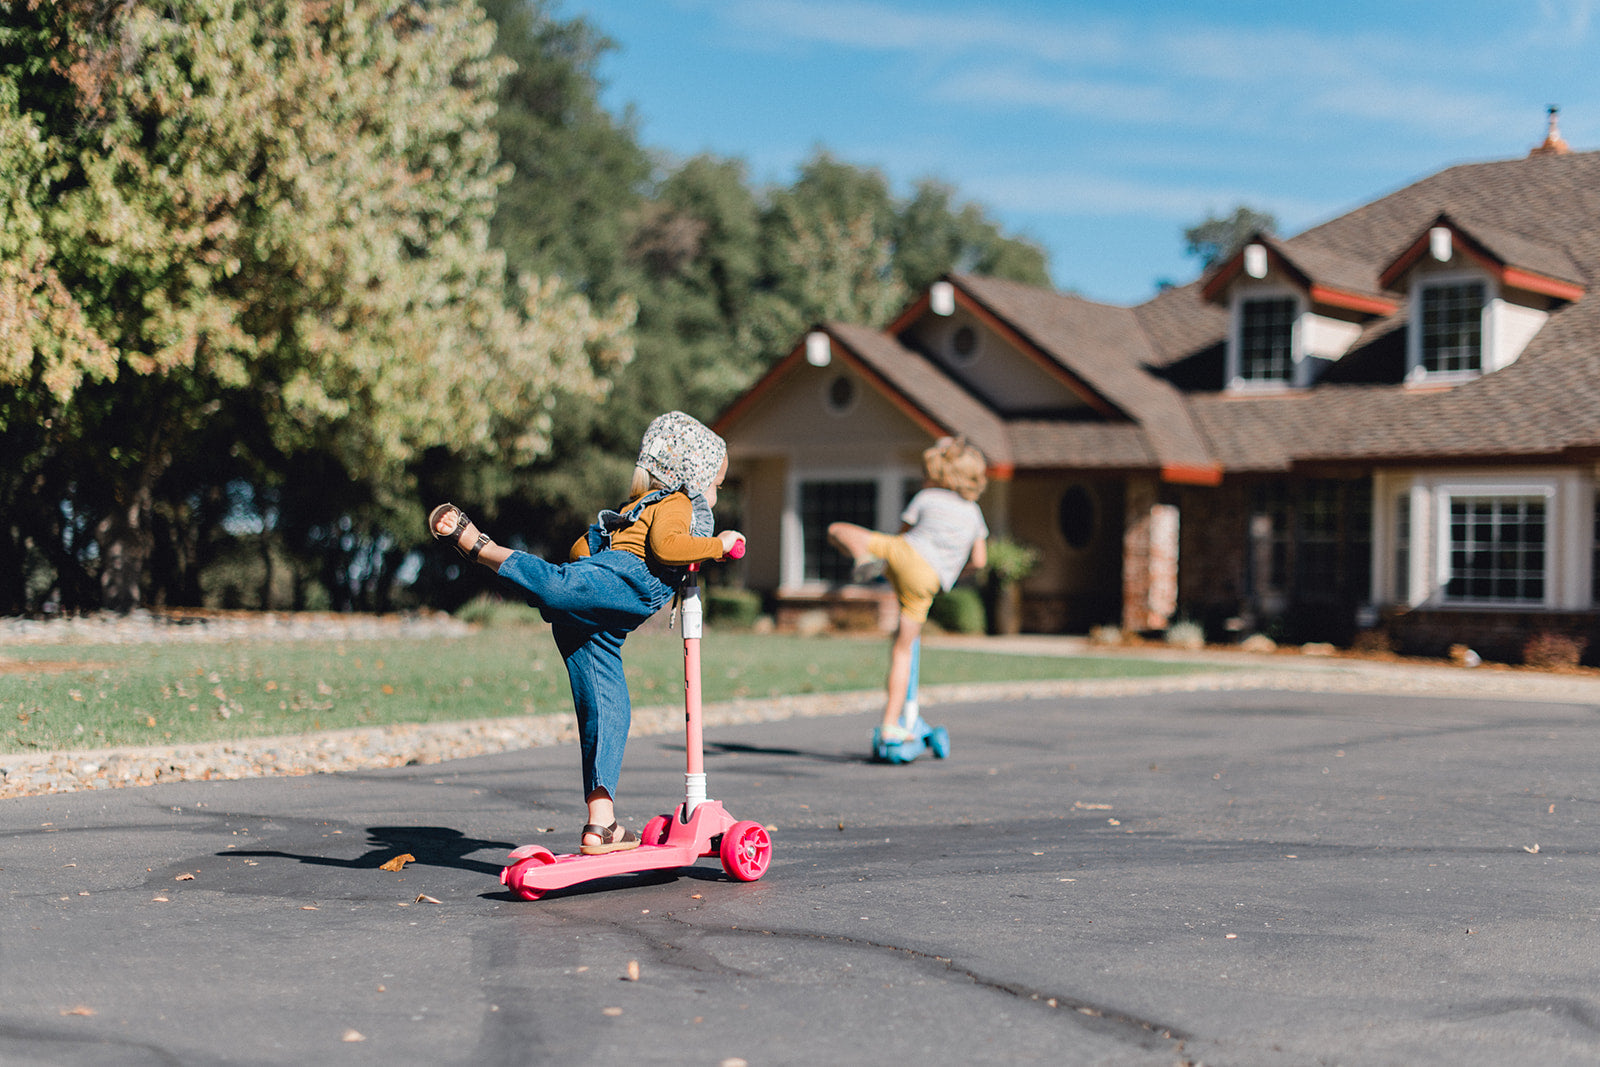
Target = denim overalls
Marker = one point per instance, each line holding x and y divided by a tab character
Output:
592	604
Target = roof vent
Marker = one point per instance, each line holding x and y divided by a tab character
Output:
1553	145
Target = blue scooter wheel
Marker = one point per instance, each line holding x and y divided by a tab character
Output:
939	742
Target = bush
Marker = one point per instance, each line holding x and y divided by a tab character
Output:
1011	561
1552	651
1374	642
488	610
1187	635
959	611
736	607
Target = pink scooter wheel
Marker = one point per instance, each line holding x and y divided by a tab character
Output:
655	831
746	850
512	876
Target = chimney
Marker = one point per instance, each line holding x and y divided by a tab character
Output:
1553	144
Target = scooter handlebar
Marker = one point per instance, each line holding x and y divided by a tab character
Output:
737	551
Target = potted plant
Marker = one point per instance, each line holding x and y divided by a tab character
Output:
1009	563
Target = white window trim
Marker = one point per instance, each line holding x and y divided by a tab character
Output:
1444	494
1416	374
1235	354
792	563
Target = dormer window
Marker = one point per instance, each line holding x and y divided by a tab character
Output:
1478	296
1451	328
1266	340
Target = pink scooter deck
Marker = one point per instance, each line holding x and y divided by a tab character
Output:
745	849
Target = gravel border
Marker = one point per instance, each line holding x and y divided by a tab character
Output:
368	748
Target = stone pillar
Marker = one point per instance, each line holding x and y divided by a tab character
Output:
1149	558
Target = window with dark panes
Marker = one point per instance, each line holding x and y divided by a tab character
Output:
1452	328
1497	550
1266	339
822	503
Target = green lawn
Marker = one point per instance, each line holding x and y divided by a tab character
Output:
84	696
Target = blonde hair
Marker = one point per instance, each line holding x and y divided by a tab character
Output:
643	481
955	465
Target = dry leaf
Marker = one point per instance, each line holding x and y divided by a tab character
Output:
399	862
158	900
308	907
353	1035
185	877
612	1011
1091	807
633	970
423	898
79	1010
1531	849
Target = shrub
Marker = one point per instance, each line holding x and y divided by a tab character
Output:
1186	634
735	607
1011	561
1376	642
488	610
1552	651
959	611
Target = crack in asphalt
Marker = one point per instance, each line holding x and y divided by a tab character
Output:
1123	1026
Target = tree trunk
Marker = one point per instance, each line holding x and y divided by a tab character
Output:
125	546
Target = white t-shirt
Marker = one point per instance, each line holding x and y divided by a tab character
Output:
944	526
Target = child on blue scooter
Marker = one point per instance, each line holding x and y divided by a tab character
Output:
942	533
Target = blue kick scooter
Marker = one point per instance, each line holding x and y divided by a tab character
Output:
924	738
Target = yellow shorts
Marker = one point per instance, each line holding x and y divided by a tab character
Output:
913	578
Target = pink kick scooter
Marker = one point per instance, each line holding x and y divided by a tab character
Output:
699	827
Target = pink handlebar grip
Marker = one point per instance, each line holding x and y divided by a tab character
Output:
737	551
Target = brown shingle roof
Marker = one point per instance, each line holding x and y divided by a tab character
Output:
1106	347
927	388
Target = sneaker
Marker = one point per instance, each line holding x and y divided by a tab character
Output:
867	570
895	735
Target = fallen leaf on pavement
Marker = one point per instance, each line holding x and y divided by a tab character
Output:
423	898
399	862
633	970
79	1010
353	1035
1531	849
184	878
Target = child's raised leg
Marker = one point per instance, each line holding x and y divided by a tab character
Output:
856	541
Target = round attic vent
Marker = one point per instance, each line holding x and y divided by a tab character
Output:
964	344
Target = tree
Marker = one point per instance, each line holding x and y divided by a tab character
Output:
243	233
933	236
1219	237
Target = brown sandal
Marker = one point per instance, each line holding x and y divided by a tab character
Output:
609	840
454	536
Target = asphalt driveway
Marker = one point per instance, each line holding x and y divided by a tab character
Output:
1226	877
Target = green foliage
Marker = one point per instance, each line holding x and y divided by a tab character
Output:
1219	236
256	232
734	607
493	611
1011	561
959	610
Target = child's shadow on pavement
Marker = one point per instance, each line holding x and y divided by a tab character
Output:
431	846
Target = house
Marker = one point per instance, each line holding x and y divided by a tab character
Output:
1390	421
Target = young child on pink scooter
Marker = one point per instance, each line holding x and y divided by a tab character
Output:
621	572
942	533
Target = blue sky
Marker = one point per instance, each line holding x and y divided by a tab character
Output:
1102	130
